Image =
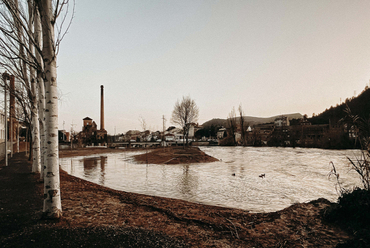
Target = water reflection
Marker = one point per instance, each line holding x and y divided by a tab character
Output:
94	167
292	175
188	182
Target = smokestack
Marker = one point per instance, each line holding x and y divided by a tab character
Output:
101	107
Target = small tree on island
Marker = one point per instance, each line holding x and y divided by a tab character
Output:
185	113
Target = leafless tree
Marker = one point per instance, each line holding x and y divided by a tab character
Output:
185	113
28	50
242	125
142	123
232	125
143	126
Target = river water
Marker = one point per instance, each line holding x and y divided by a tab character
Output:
292	175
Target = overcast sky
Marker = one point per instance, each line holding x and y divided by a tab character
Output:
273	57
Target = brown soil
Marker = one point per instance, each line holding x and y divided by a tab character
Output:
94	215
174	155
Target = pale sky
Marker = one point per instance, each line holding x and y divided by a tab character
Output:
273	57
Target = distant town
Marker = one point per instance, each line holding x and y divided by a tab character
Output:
326	130
283	131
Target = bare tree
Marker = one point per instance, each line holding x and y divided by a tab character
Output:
142	123
232	125
32	58
242	125
185	113
16	56
143	126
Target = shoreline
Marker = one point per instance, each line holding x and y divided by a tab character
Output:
195	224
94	214
220	226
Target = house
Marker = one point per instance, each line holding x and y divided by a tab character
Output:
193	128
264	131
221	133
169	137
238	137
132	135
145	135
87	121
63	136
282	121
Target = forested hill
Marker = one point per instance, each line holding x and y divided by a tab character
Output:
359	105
249	119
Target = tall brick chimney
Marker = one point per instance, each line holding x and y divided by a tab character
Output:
101	107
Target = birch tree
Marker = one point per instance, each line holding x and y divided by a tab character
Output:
32	58
40	90
36	162
18	56
52	200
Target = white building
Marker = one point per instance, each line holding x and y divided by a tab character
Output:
282	121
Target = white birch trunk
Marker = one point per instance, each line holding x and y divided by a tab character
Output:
52	199
41	92
36	162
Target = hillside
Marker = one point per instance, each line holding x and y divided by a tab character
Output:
359	105
250	119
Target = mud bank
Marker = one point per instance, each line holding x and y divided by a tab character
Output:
174	155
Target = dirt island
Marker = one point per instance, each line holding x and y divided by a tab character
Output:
174	155
97	216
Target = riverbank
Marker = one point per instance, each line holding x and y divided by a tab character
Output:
94	215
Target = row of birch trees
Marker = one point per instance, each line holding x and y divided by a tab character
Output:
29	42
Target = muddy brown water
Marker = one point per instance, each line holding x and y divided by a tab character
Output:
291	175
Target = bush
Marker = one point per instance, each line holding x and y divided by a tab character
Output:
353	209
352	213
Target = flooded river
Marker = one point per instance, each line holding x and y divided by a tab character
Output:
292	175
